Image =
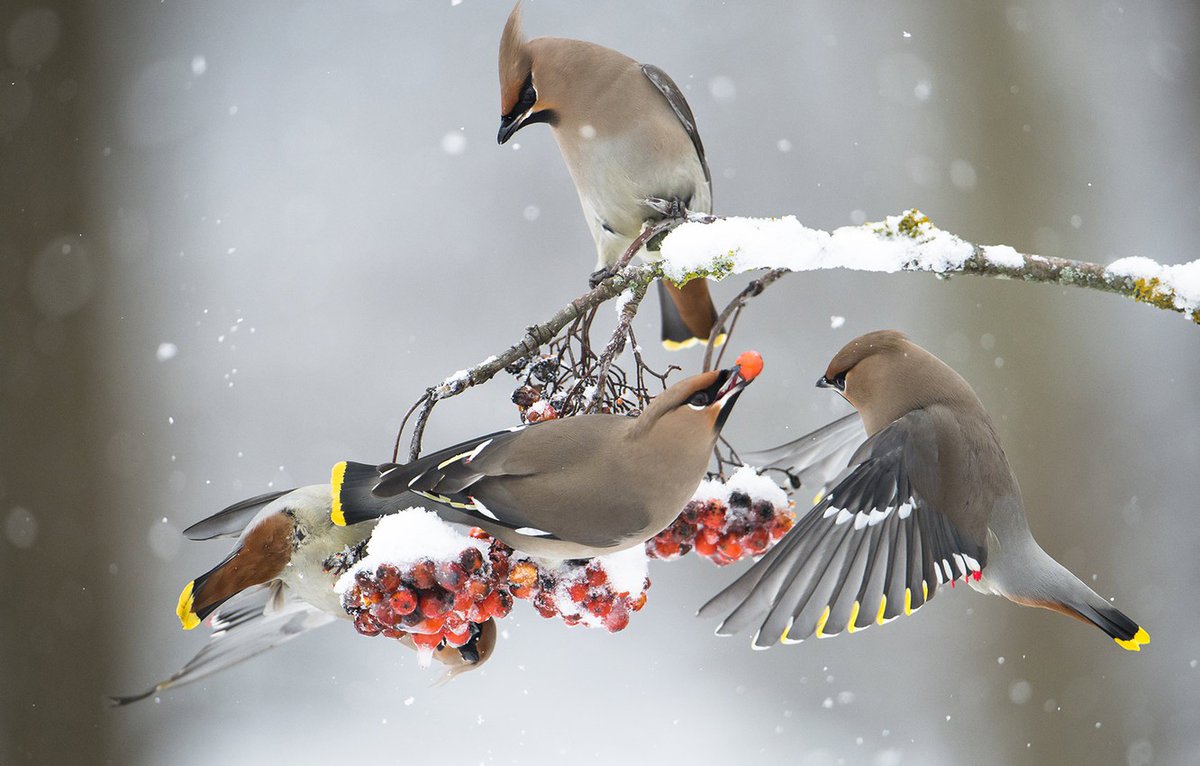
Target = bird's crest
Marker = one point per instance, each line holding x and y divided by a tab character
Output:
515	61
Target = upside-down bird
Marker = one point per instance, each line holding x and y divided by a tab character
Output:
278	584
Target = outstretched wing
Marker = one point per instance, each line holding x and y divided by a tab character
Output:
666	86
817	459
248	624
875	547
230	521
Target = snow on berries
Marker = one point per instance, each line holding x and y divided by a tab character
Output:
727	521
424	579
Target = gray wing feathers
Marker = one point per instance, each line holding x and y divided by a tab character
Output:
246	625
230	521
666	86
872	549
815	459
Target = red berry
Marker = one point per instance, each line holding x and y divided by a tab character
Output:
522	591
388	577
578	592
600	605
427	640
730	547
462	601
393	633
429	625
470	559
365	624
544	604
403	601
450	575
423	574
638	602
595	574
713	517
666	548
457	637
617	619
499	603
757	541
477	588
706	542
479	534
435	602
523	573
384	615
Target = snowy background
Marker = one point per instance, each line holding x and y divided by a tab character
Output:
238	239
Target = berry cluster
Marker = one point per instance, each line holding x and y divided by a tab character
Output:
722	532
440	603
536	400
581	593
436	603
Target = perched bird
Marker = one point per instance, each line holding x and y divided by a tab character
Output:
627	134
928	499
577	487
278	584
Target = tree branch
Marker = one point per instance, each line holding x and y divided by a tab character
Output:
697	246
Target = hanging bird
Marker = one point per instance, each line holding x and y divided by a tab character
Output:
278	584
928	499
626	134
577	487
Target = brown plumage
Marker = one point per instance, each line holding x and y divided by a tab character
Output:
571	488
278	584
626	133
928	499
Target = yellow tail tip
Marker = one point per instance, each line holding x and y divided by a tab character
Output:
1135	644
187	617
335	508
679	345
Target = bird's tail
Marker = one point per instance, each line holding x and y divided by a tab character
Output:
353	498
688	314
261	556
1065	593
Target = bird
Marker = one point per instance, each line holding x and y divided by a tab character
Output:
627	135
277	584
570	488
929	498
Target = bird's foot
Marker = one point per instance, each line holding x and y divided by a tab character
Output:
668	208
599	275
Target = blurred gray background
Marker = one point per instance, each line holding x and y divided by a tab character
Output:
238	239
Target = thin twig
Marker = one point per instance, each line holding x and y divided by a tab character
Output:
755	287
616	345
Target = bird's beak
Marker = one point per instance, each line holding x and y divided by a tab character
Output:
511	123
732	381
838	384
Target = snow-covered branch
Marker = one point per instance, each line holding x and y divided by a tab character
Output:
697	246
910	242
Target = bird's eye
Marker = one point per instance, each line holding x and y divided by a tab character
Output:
529	95
699	399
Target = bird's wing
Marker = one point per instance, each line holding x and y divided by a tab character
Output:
231	521
815	460
875	547
666	86
251	622
448	477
